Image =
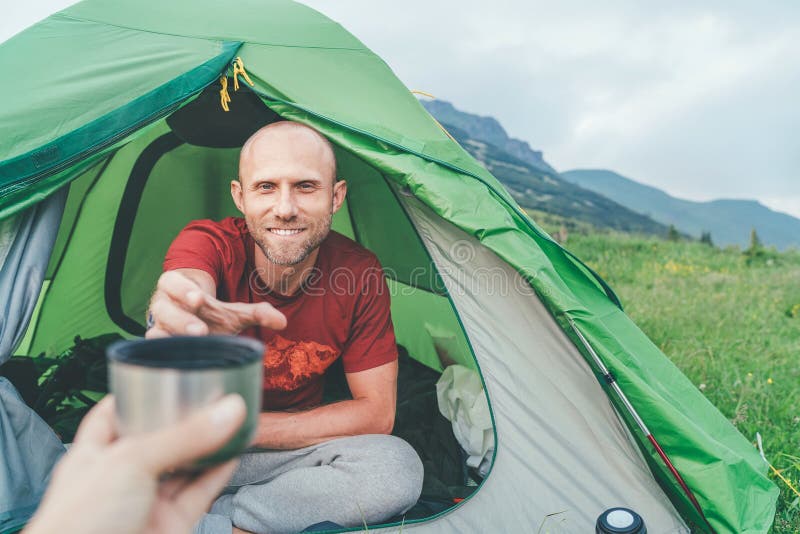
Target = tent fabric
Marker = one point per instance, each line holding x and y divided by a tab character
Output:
159	71
126	66
30	450
528	363
25	245
29	447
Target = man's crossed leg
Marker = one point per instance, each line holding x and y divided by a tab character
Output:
348	481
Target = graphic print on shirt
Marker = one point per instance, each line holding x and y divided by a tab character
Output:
289	364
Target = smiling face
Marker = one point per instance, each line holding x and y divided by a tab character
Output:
287	191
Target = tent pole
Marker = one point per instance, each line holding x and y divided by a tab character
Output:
612	382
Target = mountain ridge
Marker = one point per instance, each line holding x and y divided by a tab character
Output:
604	198
488	129
729	220
537	189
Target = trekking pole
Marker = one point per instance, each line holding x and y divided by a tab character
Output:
611	380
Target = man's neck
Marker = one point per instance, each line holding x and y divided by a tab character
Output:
284	280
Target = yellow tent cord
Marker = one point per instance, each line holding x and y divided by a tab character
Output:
784	479
760	447
224	97
238	68
423	93
443	129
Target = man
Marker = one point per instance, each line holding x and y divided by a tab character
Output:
313	296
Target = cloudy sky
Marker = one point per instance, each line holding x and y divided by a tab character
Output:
700	101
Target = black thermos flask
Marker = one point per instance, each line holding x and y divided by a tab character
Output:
620	521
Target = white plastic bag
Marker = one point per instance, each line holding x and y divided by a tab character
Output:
463	402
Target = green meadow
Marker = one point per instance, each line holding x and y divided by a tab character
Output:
730	320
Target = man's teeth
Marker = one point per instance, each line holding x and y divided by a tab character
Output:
281	231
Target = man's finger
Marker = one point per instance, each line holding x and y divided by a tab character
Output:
242	315
175	319
217	315
99	426
201	434
268	316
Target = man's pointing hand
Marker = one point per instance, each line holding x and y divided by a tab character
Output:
183	305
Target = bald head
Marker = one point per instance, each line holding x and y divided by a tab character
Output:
287	139
287	192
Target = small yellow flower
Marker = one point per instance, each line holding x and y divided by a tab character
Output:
769	380
749	375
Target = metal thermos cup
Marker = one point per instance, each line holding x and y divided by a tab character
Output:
158	382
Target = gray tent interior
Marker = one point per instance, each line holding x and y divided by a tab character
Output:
30	448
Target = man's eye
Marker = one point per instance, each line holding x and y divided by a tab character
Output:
305	186
266	187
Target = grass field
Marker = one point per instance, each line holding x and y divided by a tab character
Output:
731	325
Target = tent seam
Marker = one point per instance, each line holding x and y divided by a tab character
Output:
64	15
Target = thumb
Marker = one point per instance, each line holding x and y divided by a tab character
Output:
199	435
98	427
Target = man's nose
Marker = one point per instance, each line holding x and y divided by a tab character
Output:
287	207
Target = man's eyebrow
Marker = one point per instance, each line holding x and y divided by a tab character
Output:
296	180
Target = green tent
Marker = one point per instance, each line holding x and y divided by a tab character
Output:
113	115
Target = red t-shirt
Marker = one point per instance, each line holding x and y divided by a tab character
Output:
342	310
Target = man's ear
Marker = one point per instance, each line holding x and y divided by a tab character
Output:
236	194
339	192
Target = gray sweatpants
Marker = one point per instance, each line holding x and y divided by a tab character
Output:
348	481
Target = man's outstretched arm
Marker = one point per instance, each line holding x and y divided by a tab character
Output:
185	297
371	411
